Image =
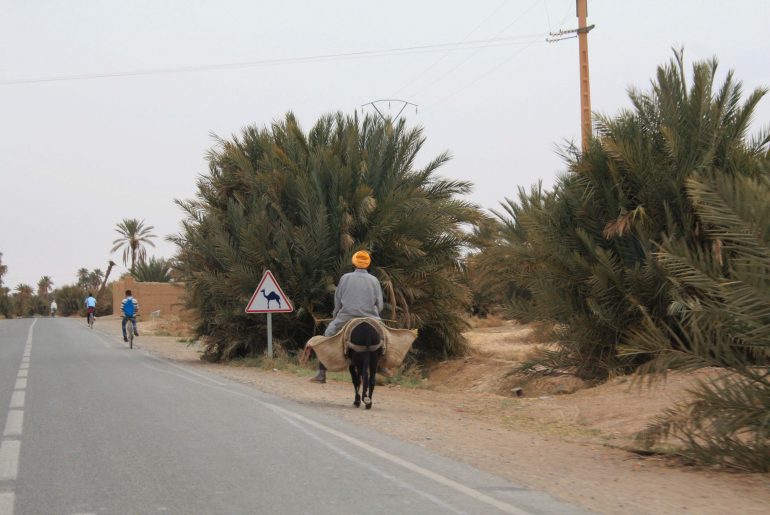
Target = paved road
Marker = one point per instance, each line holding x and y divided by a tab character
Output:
93	427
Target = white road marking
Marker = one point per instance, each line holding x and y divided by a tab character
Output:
10	446
9	459
182	376
17	399
438	478
29	332
7	500
202	376
372	468
13	424
429	474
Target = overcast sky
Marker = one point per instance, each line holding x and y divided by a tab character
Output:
78	156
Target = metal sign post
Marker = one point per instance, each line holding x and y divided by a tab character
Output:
270	335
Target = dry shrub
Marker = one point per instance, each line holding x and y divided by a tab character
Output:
168	327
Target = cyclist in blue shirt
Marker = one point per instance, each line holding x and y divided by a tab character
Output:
130	308
90	304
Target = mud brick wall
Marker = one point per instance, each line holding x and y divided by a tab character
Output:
168	298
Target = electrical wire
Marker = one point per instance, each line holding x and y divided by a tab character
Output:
447	47
491	70
547	14
445	54
451	70
484	75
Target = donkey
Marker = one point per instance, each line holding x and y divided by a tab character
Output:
363	351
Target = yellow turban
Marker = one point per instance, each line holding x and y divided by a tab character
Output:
361	259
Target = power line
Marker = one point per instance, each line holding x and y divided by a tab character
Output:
448	47
484	75
493	69
547	14
451	70
443	56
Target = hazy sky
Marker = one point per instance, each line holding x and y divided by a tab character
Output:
78	156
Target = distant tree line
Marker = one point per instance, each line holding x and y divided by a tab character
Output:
24	300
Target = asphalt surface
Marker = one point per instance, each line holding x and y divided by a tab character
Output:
93	427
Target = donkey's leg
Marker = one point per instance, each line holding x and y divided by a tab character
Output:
373	359
365	381
365	335
356	378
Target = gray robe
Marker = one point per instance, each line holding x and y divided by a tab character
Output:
358	294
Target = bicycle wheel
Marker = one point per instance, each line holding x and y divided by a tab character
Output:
130	328
91	320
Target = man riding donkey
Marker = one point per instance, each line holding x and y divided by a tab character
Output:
356	337
358	295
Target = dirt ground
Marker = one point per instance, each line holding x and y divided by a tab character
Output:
559	437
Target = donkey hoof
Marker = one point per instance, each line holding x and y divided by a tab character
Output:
368	405
357	404
368	402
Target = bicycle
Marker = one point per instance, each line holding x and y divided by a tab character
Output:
130	323
91	317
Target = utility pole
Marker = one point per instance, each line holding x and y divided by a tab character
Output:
585	86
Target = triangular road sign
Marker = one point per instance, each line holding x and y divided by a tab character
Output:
269	297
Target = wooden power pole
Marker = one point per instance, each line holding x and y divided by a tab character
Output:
585	85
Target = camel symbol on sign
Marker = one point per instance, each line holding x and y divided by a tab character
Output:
273	296
269	297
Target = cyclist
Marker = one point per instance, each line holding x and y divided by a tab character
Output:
90	304
54	307
130	308
358	294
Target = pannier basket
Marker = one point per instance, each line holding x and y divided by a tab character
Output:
330	350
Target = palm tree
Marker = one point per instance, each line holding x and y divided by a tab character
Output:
720	300
153	270
301	204
134	237
23	297
104	280
3	269
95	279
83	278
5	305
585	254
44	287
